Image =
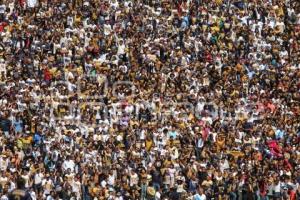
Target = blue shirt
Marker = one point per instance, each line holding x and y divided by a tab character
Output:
18	125
37	138
172	134
185	22
279	134
199	197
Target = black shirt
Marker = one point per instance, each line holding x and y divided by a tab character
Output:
5	124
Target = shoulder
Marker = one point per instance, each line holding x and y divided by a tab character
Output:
19	194
27	196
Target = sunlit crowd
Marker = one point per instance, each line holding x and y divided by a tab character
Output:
150	99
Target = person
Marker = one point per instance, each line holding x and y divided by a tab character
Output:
20	193
200	195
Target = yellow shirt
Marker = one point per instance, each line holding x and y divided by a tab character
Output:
20	143
236	153
27	140
219	2
77	19
149	144
279	12
215	28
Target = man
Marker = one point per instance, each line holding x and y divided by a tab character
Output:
5	125
68	164
38	178
20	193
200	195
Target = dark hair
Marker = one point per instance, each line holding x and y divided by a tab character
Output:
20	183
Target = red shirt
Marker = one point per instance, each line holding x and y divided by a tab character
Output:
47	75
22	3
2	26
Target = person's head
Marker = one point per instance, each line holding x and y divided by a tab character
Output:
20	183
201	191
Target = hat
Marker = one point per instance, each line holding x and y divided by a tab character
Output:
86	3
3	155
119	138
149	177
127	194
151	191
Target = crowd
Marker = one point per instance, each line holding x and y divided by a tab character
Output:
150	99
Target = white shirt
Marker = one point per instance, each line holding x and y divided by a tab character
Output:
157	196
3	180
69	164
48	185
12	186
172	172
76	186
38	178
4	197
33	195
49	198
281	26
121	49
111	180
277	187
133	179
26	178
3	164
107	29
103	183
31	3
2	67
